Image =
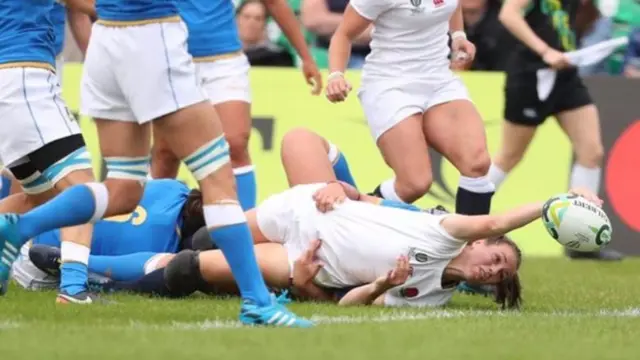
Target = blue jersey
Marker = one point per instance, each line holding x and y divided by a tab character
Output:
153	226
135	10
212	27
58	15
26	32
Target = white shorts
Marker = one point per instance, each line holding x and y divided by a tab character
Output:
288	218
385	105
226	79
60	68
32	111
138	73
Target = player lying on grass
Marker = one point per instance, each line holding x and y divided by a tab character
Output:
361	243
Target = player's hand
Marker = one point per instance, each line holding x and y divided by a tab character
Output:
329	196
555	59
337	88
312	75
462	54
307	266
587	194
398	275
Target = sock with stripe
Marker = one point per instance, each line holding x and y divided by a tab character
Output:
77	205
5	186
74	270
127	267
246	184
340	165
229	230
496	175
474	195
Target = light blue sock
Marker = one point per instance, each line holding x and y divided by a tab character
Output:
341	169
73	279
230	232
128	267
246	183
73	206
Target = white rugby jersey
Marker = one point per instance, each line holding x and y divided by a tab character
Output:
409	38
361	242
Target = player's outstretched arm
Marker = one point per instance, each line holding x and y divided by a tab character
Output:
470	228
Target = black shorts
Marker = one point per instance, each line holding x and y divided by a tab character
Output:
523	107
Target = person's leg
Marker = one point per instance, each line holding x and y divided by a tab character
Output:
44	150
272	260
226	82
404	149
523	113
455	129
309	158
164	163
194	133
579	119
515	141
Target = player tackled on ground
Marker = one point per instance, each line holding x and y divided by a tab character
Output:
138	71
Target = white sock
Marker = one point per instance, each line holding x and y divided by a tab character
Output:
242	170
333	153
72	252
582	176
388	190
479	185
496	175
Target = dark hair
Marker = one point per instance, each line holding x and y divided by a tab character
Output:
244	4
508	292
192	215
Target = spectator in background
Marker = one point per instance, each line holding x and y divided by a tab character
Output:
592	28
251	16
487	33
632	56
322	18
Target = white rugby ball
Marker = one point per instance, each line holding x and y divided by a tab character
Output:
576	223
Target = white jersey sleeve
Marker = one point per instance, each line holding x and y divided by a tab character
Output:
370	9
424	287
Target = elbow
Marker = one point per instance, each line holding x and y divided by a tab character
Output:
504	15
495	226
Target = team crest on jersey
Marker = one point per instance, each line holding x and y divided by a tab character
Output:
409	292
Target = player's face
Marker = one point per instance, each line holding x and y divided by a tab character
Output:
251	23
490	263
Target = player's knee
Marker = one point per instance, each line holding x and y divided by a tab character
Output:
416	184
124	196
182	274
161	153
239	148
475	163
590	155
298	137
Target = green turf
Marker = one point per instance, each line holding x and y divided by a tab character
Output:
573	310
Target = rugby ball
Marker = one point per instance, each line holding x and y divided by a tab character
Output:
576	223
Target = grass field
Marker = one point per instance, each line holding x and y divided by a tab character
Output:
573	310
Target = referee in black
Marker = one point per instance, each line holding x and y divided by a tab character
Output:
545	30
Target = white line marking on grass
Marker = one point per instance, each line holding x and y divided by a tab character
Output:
374	317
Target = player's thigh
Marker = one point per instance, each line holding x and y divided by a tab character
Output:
31	102
456	130
156	74
304	157
272	260
394	115
101	96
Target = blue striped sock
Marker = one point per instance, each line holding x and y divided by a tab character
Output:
128	267
73	277
341	169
